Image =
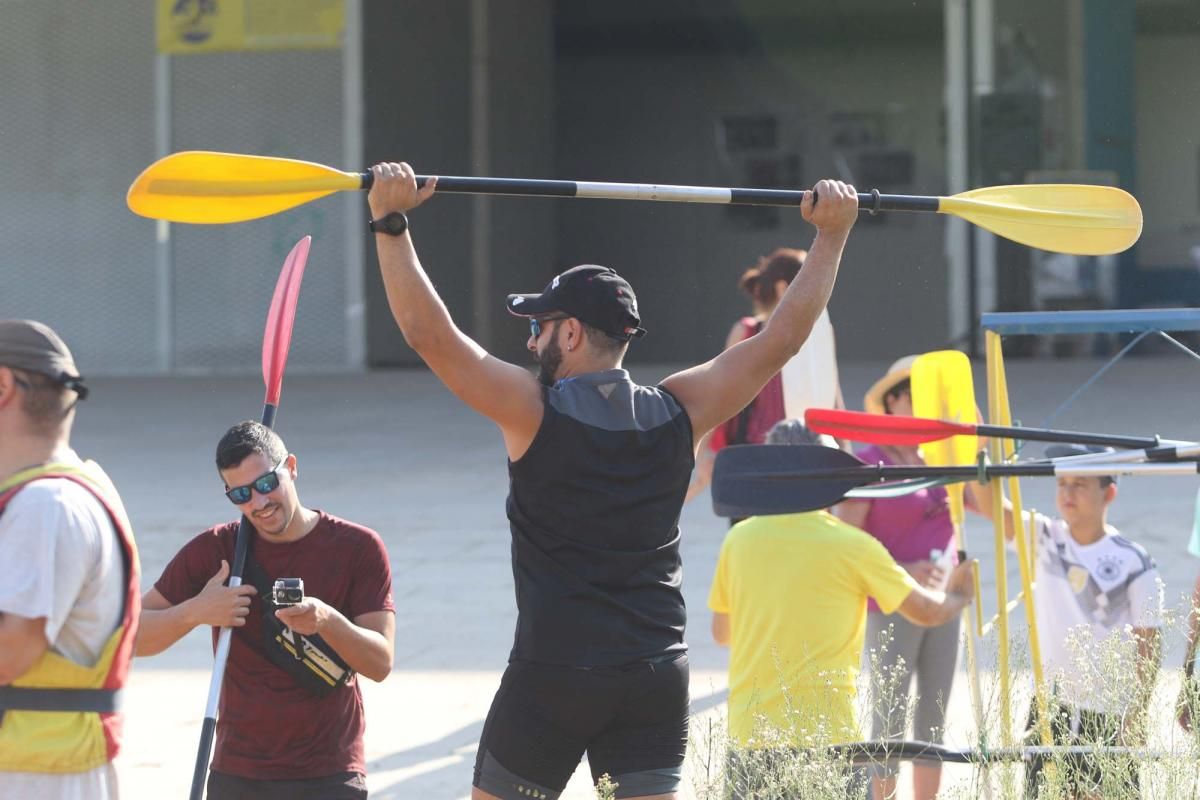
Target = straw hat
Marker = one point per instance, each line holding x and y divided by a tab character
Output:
897	372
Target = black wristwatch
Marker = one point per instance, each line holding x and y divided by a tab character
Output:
392	224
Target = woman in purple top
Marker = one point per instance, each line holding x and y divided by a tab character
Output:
915	528
917	531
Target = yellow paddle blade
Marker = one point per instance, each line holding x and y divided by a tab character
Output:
1062	218
204	187
942	388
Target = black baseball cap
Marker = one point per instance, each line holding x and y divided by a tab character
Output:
591	294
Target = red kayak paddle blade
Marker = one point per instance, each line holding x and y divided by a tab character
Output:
277	338
859	426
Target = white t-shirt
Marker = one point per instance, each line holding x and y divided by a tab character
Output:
61	558
1088	600
810	378
95	784
1194	543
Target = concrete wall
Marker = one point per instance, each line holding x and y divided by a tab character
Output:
1168	148
284	103
622	90
78	124
641	96
417	90
635	92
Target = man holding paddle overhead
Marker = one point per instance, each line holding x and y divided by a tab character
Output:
68	583
598	470
291	714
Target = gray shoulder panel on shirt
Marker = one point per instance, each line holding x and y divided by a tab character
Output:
610	401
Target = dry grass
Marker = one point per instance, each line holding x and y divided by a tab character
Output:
776	768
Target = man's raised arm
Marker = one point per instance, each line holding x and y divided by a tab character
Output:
713	392
505	393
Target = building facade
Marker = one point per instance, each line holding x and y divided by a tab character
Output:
930	97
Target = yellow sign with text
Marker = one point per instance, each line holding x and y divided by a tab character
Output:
209	26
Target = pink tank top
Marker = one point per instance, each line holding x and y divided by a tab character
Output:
756	420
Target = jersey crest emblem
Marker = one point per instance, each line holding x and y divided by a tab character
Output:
1077	578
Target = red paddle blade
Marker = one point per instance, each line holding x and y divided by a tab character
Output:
881	428
277	338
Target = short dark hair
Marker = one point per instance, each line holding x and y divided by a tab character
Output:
1067	450
604	342
791	431
901	387
45	401
247	438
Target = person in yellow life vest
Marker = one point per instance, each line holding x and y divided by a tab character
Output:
69	599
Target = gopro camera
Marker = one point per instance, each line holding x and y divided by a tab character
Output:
288	591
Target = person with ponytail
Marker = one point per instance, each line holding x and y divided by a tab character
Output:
809	380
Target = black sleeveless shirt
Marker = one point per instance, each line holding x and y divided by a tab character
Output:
594	510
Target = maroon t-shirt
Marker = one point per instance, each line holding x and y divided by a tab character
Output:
269	727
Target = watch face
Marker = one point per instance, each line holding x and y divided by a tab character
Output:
394	224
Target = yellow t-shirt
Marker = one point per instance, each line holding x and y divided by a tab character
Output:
795	588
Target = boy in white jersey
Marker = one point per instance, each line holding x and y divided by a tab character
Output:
1189	691
1099	605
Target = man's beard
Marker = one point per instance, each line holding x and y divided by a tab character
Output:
280	526
549	361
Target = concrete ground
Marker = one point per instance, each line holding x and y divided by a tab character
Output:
396	452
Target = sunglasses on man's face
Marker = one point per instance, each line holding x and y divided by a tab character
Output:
263	484
535	324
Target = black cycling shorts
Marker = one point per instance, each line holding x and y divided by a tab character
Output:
631	721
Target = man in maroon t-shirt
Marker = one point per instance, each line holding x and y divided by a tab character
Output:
276	735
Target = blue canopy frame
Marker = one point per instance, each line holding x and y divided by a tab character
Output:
1142	321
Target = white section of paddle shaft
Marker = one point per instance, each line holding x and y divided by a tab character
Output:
1182	450
653	191
1117	468
224	640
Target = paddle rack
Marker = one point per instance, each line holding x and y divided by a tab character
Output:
1143	323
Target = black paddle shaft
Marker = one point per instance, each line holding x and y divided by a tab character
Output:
1068	437
871	202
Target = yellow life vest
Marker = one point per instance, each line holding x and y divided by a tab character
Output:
75	736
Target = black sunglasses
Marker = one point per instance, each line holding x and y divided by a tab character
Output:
263	484
535	324
74	384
